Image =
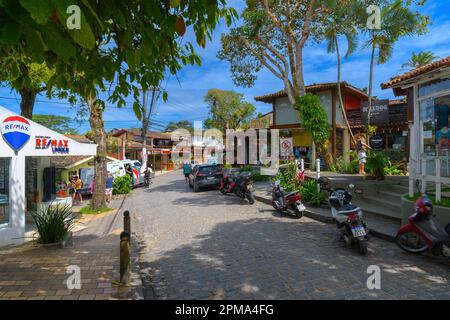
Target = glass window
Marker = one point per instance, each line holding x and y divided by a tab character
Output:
434	86
428	126
4	191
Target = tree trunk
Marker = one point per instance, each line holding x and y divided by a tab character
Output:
27	100
372	59
341	100
99	136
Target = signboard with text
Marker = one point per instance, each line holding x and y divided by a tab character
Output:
379	113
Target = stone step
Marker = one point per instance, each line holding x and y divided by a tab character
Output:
396	188
376	207
390	196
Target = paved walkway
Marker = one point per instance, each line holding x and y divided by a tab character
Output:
39	273
208	246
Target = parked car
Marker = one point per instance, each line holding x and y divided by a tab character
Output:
205	175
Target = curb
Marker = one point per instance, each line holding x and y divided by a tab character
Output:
330	220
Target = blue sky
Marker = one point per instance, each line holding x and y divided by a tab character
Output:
186	92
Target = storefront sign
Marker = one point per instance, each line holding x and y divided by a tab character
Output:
377	142
16	132
58	146
286	147
379	113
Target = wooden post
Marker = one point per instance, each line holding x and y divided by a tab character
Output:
125	257
127	222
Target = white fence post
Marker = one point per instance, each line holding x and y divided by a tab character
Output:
424	174
412	175
318	173
302	164
438	179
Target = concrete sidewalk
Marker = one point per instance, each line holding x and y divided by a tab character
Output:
30	272
378	226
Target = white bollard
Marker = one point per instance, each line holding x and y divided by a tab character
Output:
302	164
318	173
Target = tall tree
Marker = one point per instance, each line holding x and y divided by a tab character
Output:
30	80
183	124
60	124
342	21
228	110
420	59
397	20
273	35
128	44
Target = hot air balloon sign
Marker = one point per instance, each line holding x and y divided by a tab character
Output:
16	132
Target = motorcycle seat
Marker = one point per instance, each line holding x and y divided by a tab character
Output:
289	194
347	209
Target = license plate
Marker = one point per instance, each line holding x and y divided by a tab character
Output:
358	231
209	178
301	207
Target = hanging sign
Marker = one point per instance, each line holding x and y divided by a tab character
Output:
58	146
377	142
379	112
16	132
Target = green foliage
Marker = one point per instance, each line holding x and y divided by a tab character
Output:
287	178
420	59
376	164
310	194
342	166
88	210
314	118
394	169
183	124
228	110
122	185
59	124
53	223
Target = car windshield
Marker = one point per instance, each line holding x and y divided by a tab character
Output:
208	170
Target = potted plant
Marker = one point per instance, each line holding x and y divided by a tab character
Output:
53	223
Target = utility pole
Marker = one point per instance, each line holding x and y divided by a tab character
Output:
146	114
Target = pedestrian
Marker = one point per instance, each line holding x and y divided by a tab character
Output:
77	186
186	171
109	187
361	146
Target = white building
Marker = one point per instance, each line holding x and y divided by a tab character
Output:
26	150
428	91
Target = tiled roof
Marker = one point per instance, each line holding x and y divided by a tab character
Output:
314	88
62	162
445	62
79	138
137	132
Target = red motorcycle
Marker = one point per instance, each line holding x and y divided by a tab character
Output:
242	186
423	232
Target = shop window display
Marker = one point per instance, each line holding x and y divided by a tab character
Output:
4	191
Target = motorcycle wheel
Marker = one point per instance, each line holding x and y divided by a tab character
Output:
250	197
298	214
362	246
411	242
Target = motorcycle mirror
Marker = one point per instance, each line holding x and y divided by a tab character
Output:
351	186
358	191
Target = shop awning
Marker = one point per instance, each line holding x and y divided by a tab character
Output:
21	136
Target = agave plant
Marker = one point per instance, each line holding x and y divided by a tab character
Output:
53	223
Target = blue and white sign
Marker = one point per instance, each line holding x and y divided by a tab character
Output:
16	132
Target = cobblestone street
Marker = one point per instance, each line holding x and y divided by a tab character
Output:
208	246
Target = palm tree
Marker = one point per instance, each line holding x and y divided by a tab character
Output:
397	21
342	23
420	59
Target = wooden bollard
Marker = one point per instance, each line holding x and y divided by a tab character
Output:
127	222
125	258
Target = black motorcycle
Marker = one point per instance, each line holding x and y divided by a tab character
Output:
349	217
242	186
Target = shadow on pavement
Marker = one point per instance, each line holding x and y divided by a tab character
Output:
264	258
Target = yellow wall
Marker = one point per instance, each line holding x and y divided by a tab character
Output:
301	138
65	172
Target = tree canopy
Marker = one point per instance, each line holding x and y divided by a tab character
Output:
59	124
183	124
420	59
228	110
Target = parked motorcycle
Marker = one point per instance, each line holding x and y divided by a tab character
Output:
242	186
287	202
349	217
423	231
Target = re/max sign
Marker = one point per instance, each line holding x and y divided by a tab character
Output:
57	145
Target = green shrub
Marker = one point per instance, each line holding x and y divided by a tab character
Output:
287	178
343	166
310	194
53	223
122	185
394	169
376	164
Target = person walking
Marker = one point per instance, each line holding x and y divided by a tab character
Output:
77	186
109	187
186	171
362	154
